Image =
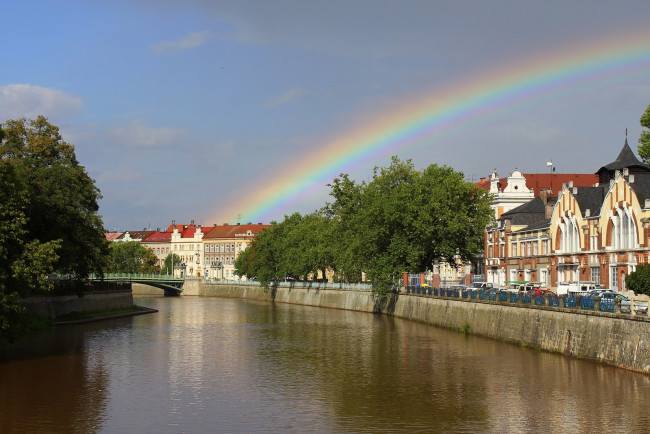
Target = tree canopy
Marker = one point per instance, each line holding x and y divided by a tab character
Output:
644	138
639	281
48	214
401	221
133	258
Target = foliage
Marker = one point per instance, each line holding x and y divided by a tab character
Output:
171	260
61	199
48	215
644	139
401	221
133	258
297	248
639	281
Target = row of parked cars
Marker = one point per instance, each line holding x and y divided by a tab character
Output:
585	290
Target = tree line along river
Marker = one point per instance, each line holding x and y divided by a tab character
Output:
227	365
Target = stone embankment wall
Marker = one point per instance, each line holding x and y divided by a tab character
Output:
52	307
610	339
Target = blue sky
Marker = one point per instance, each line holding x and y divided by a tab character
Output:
179	108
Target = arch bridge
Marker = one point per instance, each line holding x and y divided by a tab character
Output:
171	285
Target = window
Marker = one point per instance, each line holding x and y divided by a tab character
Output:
595	274
207	248
614	279
624	233
570	240
513	248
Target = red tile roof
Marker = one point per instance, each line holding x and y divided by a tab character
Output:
547	181
158	237
111	236
234	231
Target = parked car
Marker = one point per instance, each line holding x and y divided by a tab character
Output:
625	303
541	291
480	285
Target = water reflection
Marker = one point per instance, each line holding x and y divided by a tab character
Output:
209	364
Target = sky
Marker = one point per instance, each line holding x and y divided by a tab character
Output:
243	111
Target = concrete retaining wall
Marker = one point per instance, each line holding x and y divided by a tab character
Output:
622	342
52	307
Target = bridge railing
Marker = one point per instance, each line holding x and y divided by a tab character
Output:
137	276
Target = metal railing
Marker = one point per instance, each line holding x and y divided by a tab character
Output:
527	299
307	285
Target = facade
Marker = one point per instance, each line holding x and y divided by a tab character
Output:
223	244
593	234
160	245
186	241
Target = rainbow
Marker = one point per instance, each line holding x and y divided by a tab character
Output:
443	111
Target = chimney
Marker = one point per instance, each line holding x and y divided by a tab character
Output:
543	194
575	190
631	179
482	180
647	204
587	212
570	184
548	211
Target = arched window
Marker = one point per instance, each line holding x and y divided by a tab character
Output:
570	236
624	228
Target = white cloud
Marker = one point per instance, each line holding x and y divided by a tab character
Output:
191	40
288	96
136	134
29	101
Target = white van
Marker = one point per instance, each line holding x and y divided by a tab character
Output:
564	288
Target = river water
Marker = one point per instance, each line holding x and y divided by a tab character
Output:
227	365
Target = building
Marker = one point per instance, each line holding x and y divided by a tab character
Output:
186	241
223	244
160	244
593	233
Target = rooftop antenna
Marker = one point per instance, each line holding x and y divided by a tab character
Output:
550	165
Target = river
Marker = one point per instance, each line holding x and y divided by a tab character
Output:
228	365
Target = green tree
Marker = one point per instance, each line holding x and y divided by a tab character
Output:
48	214
61	199
132	257
404	219
171	260
639	281
644	139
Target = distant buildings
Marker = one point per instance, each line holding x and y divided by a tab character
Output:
208	251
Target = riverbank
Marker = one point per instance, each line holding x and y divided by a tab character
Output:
612	340
87	317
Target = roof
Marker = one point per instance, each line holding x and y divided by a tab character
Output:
641	187
540	225
111	236
527	214
547	181
135	235
190	231
589	198
234	231
626	158
158	237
